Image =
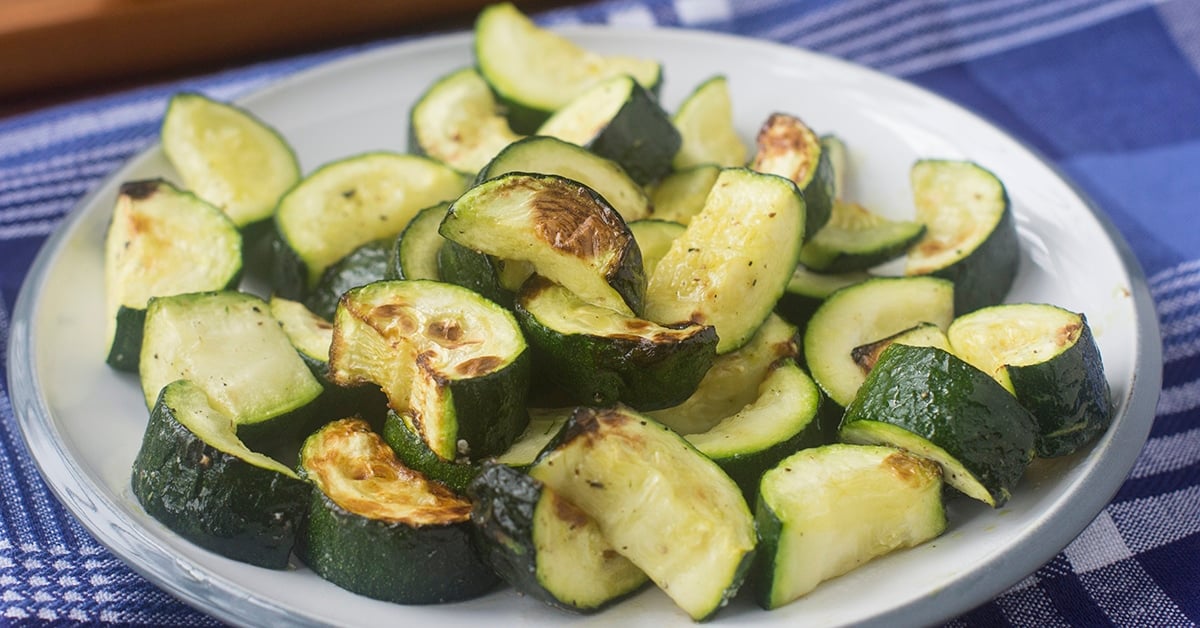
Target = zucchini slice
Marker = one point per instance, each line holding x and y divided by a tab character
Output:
452	363
550	155
780	421
1046	356
863	313
970	236
734	260
564	229
920	335
827	510
228	157
458	122
230	347
788	148
933	404
380	529
545	546
600	356
619	120
733	381
149	252
663	505
348	203
194	475
855	238
536	72
544	423
414	254
681	194
366	263
654	238
310	334
413	452
806	291
705	123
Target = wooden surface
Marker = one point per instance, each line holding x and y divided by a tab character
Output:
51	49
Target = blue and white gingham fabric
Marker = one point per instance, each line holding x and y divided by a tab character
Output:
1107	89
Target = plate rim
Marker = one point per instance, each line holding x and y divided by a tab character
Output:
82	495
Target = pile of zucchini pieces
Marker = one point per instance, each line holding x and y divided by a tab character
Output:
566	342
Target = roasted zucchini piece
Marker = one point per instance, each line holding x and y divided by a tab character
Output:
544	423
654	238
230	347
855	238
780	421
1046	356
196	477
863	313
452	363
545	546
550	155
310	334
970	236
823	512
536	72
228	157
660	503
788	148
919	335
348	203
705	123
149	251
681	194
564	229
380	529
366	263
458	122
733	380
600	356
734	260
806	291
931	403
619	120
413	452
415	253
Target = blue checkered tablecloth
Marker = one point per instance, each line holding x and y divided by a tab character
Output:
1109	90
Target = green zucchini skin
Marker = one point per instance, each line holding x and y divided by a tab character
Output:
472	270
415	453
506	505
214	499
638	363
367	263
640	137
954	406
424	556
126	349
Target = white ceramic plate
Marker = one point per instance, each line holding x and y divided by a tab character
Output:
83	422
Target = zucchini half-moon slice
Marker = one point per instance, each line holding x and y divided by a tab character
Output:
457	121
789	148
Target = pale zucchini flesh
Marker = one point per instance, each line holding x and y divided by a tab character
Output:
458	122
705	123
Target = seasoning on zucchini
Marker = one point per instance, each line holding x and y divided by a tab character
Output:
788	148
681	194
366	263
970	236
654	238
866	312
230	347
780	421
536	72
856	238
564	229
458	122
452	363
931	403
348	203
148	252
734	260
550	155
380	529
600	356
619	120
705	123
414	254
806	291
1048	358
733	380
823	512
545	546
228	157
660	503
194	476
